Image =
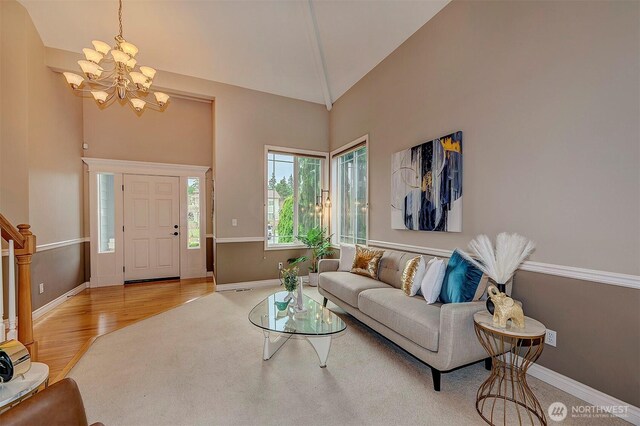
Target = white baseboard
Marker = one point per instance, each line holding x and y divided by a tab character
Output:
584	392
58	300
247	285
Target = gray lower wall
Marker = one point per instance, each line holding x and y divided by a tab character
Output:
60	269
238	262
598	326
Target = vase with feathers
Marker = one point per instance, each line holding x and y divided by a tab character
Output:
501	262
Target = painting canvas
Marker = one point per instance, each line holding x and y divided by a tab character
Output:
426	186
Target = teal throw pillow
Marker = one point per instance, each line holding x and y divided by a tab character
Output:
460	281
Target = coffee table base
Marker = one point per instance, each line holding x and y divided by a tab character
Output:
321	344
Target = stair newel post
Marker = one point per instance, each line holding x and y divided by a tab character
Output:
25	320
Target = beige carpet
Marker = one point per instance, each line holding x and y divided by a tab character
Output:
201	364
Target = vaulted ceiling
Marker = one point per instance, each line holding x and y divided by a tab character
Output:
313	50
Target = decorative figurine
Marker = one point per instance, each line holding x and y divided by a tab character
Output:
505	309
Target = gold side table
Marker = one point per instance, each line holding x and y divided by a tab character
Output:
505	395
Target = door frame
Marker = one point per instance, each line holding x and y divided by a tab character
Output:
107	268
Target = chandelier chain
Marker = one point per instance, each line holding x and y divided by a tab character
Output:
120	16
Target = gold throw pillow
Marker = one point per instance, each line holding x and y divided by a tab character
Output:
409	273
366	262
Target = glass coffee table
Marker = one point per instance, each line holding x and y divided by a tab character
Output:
317	325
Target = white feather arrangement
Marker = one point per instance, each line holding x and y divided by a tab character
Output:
500	264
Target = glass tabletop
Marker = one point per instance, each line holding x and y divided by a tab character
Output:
315	321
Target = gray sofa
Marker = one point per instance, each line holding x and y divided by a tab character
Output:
442	336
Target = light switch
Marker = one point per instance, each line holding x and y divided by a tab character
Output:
234	222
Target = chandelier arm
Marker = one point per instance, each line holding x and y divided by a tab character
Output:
102	85
87	90
153	105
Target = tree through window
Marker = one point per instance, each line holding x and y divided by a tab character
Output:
294	184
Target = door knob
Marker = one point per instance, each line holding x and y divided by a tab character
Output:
175	226
175	233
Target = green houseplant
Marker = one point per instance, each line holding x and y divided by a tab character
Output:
319	243
290	281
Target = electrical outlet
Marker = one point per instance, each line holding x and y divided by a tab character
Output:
550	338
280	265
41	288
234	222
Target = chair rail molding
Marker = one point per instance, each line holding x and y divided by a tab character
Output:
603	277
223	240
55	245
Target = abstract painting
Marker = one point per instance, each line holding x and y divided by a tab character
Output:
426	186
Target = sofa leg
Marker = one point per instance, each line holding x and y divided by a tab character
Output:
324	302
488	363
436	379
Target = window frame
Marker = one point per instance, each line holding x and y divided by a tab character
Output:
335	154
200	222
99	211
325	185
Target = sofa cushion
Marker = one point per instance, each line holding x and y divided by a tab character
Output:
391	267
366	262
346	286
460	281
410	317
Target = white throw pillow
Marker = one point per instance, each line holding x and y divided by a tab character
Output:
419	276
347	254
432	281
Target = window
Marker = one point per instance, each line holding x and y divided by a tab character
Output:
106	214
293	196
351	209
193	213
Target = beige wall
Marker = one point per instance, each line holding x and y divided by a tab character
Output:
40	166
14	120
246	121
546	94
182	134
55	148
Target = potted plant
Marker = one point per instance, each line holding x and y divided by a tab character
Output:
320	245
501	262
290	281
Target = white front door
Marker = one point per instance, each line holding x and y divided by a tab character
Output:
151	227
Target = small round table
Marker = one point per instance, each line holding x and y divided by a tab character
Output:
506	395
22	387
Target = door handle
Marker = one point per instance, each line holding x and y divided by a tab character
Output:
175	233
175	226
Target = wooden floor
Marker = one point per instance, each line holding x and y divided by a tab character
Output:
65	333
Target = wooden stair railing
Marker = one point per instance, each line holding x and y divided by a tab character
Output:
25	247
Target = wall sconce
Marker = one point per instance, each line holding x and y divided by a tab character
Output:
320	205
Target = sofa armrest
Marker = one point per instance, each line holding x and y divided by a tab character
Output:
328	265
458	339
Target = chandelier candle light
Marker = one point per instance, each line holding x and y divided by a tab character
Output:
121	80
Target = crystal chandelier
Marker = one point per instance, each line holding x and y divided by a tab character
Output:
111	73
